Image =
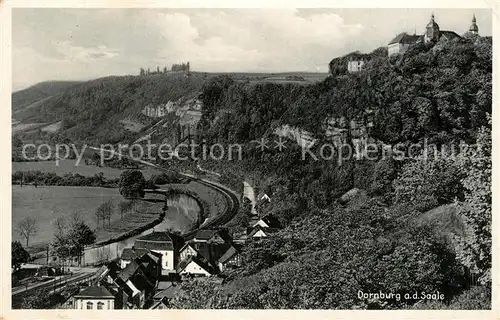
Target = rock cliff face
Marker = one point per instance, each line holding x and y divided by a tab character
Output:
337	130
302	137
181	119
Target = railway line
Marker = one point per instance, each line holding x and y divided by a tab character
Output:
233	201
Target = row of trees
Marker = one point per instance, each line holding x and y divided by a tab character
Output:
175	67
37	177
105	211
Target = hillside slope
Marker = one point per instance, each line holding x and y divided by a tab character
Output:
39	91
109	109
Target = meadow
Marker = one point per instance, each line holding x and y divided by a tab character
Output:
47	204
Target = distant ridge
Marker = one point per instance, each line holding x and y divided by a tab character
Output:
39	91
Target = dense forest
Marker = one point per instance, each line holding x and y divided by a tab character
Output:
420	224
414	225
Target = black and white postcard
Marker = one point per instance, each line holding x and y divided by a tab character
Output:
305	156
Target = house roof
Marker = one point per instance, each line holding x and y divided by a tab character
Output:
231	252
95	292
262	195
210	233
153	245
449	34
211	252
155	257
156	236
264	229
141	282
157	304
205	234
169	292
102	272
123	285
405	38
128	271
132	253
199	261
271	221
187	244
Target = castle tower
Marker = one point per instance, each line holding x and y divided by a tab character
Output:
431	31
473	27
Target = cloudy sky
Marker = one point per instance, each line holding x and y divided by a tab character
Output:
81	44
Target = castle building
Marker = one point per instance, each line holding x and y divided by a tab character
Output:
473	27
432	34
401	43
431	31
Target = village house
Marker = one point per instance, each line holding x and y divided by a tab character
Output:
94	298
259	232
107	273
212	236
195	266
207	246
188	250
164	243
129	254
268	221
136	284
241	237
230	260
165	291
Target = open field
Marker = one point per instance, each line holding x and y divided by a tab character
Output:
49	203
68	166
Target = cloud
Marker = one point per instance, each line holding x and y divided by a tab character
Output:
71	52
250	40
87	43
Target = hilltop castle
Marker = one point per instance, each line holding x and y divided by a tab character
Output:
403	41
356	61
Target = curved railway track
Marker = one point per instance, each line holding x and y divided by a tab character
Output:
233	201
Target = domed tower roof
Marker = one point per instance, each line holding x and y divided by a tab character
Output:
473	26
432	23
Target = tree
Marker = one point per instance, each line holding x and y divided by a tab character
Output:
70	240
132	184
19	255
241	220
428	182
27	227
104	211
124	207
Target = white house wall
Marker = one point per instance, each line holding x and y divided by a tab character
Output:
109	304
